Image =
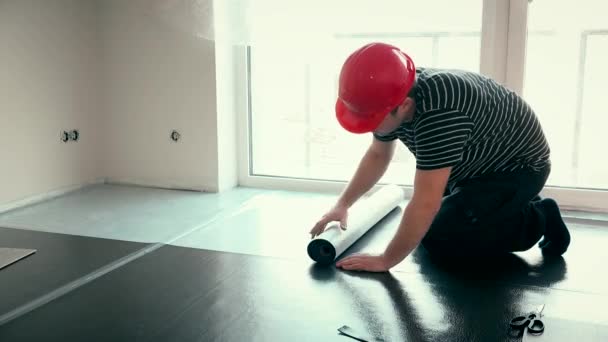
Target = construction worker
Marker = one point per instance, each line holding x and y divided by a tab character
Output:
481	160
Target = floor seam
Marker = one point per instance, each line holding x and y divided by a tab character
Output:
75	284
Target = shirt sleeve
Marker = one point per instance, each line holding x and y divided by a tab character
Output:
441	136
386	137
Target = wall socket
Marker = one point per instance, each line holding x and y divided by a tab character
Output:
175	135
72	135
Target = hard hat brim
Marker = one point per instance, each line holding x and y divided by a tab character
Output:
358	123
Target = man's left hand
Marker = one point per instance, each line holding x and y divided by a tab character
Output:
363	262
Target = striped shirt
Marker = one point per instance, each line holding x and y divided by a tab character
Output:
471	123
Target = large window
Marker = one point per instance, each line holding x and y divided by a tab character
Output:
565	81
294	87
558	64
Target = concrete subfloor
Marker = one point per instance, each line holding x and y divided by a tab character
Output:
151	215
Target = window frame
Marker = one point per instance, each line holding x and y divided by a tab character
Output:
502	57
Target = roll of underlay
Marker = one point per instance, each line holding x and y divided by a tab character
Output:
362	216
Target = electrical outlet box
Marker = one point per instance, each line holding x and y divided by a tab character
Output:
175	135
65	136
74	135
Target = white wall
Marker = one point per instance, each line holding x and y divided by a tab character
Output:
158	77
125	76
48	83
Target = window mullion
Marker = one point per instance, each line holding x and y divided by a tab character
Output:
516	45
494	39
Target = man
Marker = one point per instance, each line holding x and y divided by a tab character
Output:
481	160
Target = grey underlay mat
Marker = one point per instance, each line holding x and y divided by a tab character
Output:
11	255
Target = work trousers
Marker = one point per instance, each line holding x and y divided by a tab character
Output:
489	215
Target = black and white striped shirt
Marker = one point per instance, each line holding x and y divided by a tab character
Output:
471	123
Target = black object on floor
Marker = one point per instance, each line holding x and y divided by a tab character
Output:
183	294
356	335
530	323
59	260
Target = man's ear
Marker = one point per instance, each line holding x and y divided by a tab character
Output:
406	106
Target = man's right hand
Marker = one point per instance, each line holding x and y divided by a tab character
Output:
337	213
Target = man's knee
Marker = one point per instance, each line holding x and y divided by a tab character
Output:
455	249
453	219
456	233
435	247
445	247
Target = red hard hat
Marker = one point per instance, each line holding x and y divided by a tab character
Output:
374	80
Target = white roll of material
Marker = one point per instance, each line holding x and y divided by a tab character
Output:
362	216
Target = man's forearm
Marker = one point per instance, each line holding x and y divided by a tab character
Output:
415	222
370	170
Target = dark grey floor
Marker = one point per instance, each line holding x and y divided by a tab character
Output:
244	275
185	294
60	259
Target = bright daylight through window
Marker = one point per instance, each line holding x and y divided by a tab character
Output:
294	87
293	82
565	78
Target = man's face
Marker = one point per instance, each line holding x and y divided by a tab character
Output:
395	118
390	123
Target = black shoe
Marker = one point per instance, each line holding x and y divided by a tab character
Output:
557	237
